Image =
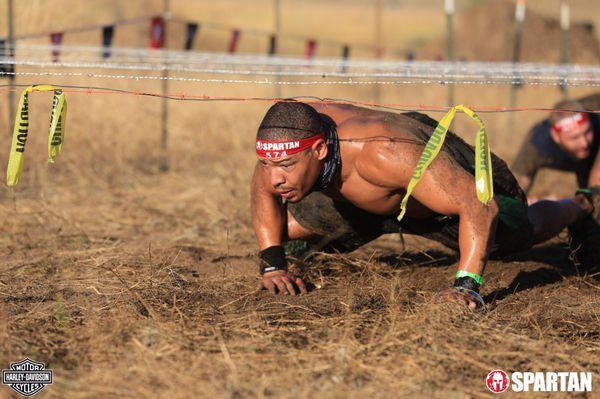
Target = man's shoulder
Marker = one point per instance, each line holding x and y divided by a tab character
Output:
387	161
379	125
539	137
360	127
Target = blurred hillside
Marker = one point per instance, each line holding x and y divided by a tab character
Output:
486	32
484	28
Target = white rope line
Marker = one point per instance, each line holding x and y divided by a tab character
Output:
275	82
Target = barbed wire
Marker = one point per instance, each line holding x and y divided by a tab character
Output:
351	71
451	77
168	56
266	81
91	90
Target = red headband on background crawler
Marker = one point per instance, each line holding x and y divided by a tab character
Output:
570	122
282	149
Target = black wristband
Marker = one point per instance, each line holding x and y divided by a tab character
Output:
272	258
468	283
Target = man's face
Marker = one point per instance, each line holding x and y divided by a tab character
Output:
575	140
292	177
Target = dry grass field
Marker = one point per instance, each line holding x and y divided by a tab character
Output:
129	282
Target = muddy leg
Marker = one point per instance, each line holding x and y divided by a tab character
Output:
549	218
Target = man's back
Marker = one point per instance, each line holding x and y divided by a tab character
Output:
366	135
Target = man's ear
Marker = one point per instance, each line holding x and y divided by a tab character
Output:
320	147
555	135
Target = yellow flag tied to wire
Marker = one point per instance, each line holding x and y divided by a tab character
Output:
21	130
484	185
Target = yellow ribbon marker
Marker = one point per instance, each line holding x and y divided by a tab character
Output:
21	130
484	185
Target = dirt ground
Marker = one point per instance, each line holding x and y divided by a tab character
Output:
130	282
118	315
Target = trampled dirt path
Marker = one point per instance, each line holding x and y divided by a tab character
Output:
117	309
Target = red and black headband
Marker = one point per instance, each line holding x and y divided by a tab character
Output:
570	122
284	148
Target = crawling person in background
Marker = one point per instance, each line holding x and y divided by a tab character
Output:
566	141
333	177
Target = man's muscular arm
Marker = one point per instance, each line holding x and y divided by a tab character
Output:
269	222
445	188
268	210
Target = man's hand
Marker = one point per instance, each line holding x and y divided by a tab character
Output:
282	282
467	297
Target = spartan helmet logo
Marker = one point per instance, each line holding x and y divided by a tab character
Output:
497	381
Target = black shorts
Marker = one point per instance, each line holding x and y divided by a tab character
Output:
345	227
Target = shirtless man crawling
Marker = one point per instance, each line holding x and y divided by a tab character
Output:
336	175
